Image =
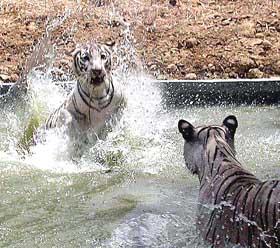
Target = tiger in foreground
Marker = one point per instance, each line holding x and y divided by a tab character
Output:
95	102
234	206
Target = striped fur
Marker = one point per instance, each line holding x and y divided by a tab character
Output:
96	98
234	206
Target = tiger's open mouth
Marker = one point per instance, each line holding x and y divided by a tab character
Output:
97	80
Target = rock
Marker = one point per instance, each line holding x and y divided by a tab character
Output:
172	68
32	27
243	63
255	42
267	45
161	77
259	35
153	67
180	65
276	24
226	22
216	15
251	42
4	77
261	52
247	28
255	73
191	42
211	67
173	2
180	44
191	76
13	78
277	67
232	74
228	70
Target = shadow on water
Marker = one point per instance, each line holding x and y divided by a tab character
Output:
140	195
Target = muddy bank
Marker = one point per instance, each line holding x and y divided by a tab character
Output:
175	39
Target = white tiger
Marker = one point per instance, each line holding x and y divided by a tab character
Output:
96	100
235	207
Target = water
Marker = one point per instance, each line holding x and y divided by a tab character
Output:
132	189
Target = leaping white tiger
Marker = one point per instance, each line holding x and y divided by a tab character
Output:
96	99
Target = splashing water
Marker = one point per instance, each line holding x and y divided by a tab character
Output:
136	129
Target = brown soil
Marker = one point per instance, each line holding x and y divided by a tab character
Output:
183	39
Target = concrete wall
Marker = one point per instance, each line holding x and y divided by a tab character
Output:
237	91
210	92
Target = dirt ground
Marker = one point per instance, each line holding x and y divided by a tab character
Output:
183	39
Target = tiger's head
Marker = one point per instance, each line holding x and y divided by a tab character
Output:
92	63
201	142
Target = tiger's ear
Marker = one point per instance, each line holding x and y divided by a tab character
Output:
231	123
71	51
76	50
186	129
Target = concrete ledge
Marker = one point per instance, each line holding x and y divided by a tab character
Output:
4	87
210	92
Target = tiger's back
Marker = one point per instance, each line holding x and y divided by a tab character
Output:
245	213
234	206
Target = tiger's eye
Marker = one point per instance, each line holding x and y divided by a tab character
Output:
85	57
103	56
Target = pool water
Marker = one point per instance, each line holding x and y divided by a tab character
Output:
139	194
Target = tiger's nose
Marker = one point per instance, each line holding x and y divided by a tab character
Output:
96	72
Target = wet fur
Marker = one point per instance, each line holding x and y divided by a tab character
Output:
234	206
96	101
